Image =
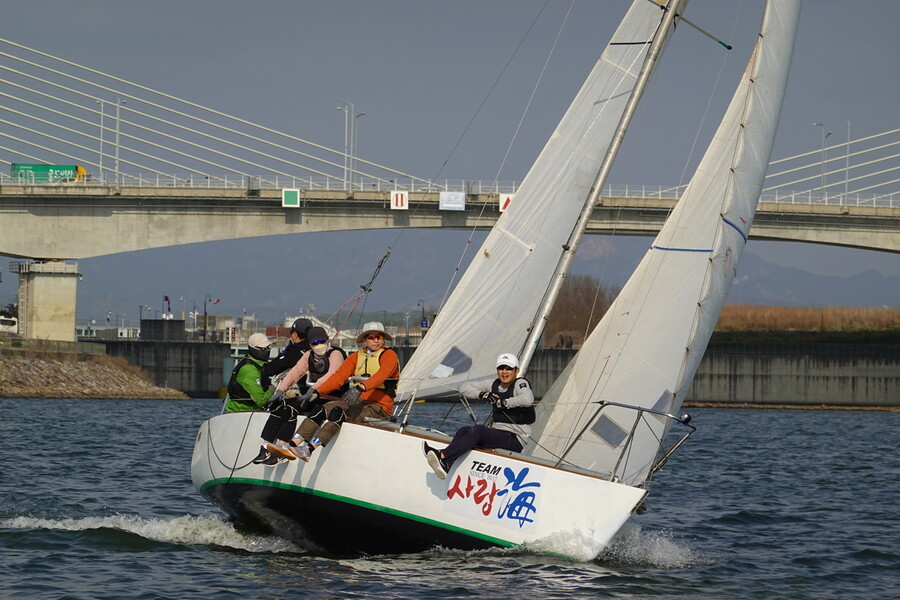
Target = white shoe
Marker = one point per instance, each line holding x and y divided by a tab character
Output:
281	450
301	451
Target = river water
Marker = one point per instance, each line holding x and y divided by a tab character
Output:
96	502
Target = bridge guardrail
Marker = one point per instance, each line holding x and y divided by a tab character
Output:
240	182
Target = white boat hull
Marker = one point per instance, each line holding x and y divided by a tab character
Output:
371	491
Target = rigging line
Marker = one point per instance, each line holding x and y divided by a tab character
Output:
533	92
366	287
712	91
340	327
459	141
491	90
698	28
512	141
704	32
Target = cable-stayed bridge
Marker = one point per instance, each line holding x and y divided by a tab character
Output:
136	143
159	170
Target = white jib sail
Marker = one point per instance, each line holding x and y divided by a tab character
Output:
646	349
492	307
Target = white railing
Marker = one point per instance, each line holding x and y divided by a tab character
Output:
243	182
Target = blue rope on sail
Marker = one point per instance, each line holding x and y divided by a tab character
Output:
736	228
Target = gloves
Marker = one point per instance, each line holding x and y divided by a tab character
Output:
489	397
307	399
351	397
273	400
500	402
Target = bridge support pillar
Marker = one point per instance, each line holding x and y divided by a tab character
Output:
47	295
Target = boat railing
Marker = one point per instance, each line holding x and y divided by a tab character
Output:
640	420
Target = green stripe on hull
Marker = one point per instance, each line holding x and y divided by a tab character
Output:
366	505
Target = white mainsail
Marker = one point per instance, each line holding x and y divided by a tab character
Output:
493	307
646	349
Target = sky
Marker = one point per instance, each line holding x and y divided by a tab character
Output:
425	73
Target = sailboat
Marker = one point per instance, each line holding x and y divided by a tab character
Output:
601	426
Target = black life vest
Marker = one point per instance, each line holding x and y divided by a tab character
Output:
523	415
319	365
235	390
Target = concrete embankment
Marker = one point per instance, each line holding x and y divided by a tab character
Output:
772	370
74	375
776	370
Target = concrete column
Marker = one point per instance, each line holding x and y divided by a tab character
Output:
47	292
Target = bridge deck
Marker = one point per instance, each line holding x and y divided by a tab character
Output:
85	221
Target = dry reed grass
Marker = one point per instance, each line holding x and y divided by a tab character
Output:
743	317
583	301
123	364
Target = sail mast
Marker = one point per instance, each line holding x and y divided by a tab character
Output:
540	321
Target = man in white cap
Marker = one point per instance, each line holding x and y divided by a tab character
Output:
248	388
511	417
372	372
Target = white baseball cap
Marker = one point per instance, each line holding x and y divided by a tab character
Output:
508	359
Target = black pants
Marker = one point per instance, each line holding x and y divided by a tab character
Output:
282	422
481	437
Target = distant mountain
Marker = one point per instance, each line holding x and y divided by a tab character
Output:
763	283
275	277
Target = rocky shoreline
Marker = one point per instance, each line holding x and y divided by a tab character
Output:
95	377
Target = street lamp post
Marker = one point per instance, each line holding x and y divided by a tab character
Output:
406	340
353	150
346	139
119	103
847	165
350	116
824	137
100	162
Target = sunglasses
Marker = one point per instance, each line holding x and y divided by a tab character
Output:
317	342
506	368
374	337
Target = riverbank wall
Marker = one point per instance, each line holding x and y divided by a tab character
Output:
199	369
775	370
805	370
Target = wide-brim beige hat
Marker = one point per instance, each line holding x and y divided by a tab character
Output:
372	327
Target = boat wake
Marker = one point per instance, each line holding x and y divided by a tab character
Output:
652	548
188	530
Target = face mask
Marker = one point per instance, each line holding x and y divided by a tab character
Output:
320	349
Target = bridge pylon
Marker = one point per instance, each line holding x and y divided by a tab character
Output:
47	293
